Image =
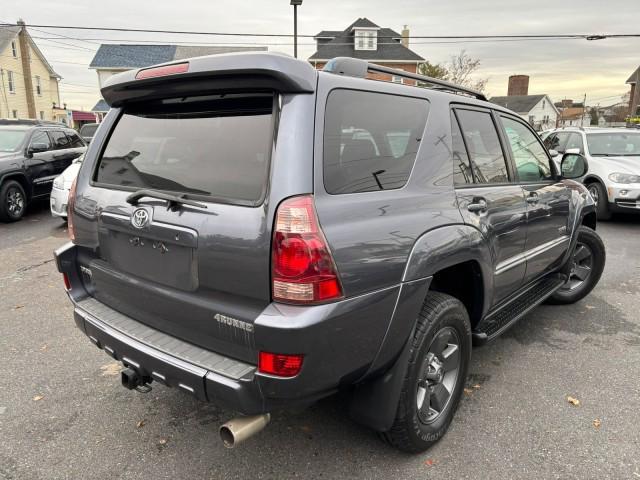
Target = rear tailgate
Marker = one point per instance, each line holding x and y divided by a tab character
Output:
198	273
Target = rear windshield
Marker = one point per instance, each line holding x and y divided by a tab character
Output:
371	140
216	146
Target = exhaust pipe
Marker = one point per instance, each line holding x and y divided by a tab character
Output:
237	430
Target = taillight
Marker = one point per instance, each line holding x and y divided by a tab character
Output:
279	364
67	283
70	204
162	71
302	268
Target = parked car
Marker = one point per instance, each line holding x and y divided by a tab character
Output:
613	154
265	247
88	130
59	198
32	154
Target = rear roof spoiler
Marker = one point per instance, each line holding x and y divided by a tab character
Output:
254	71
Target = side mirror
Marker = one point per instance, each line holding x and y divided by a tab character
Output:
37	148
573	165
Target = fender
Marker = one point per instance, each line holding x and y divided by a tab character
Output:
374	403
581	204
18	173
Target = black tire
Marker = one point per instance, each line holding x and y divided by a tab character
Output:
13	201
599	194
441	315
585	271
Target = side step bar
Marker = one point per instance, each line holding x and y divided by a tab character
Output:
505	316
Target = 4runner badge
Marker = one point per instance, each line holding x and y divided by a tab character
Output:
140	218
233	322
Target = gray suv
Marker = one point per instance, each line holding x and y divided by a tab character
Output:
261	235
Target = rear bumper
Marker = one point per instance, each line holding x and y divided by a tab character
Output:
341	342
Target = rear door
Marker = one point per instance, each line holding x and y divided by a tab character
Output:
488	197
197	272
547	198
41	165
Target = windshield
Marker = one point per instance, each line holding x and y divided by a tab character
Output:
10	140
614	144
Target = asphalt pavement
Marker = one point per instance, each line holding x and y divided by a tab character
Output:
63	413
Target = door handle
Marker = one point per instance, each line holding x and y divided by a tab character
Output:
533	199
478	205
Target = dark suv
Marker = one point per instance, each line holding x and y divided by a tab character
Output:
260	235
32	154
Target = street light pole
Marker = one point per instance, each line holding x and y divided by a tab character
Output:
295	4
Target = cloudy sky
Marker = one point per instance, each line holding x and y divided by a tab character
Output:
562	69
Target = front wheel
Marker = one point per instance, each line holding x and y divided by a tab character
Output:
436	374
587	263
13	201
599	195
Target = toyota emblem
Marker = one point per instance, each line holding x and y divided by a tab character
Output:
140	218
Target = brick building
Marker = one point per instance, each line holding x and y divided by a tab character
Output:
366	40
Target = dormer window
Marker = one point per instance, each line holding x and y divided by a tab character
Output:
366	39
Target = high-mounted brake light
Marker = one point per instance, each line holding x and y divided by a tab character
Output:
279	364
162	71
302	268
71	202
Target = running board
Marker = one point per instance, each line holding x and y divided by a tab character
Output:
497	322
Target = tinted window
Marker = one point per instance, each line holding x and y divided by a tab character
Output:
218	146
461	167
551	141
532	163
74	140
42	138
88	130
59	140
562	138
370	140
483	145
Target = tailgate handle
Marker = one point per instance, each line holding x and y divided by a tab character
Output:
172	200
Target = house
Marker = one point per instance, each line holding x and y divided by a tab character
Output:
366	40
574	117
538	110
28	83
634	98
115	58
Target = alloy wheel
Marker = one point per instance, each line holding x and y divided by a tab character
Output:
593	190
581	267
15	202
438	375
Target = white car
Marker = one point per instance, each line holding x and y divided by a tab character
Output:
613	155
61	186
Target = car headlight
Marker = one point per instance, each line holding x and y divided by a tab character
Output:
624	178
58	183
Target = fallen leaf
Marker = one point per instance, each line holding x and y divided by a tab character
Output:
429	463
573	401
476	386
37	398
162	441
111	369
140	424
44	348
18	307
589	307
468	391
597	423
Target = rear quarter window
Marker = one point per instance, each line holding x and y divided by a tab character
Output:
370	140
217	147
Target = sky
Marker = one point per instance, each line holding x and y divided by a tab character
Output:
559	68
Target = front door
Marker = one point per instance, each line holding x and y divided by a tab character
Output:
547	198
487	197
40	168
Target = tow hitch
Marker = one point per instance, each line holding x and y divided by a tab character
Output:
131	380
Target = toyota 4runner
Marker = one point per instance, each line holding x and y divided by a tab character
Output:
261	235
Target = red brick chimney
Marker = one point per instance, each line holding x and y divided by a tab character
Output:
518	85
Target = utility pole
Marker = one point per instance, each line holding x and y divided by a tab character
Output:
584	110
26	68
295	4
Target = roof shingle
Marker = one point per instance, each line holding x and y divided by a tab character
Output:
518	103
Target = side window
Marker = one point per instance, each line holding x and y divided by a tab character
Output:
59	140
370	140
562	141
483	145
461	166
532	163
551	142
74	140
575	142
40	138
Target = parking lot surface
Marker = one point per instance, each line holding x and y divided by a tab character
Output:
63	413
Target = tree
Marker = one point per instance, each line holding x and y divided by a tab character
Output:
459	70
594	116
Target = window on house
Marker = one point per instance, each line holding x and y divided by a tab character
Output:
396	79
15	113
38	86
11	80
532	119
366	40
370	39
14	49
544	104
359	40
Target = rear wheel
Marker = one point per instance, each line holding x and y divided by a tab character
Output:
599	195
437	370
13	201
587	263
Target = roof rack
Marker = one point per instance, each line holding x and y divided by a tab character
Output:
21	121
356	67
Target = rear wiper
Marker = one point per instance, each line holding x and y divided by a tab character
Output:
173	201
